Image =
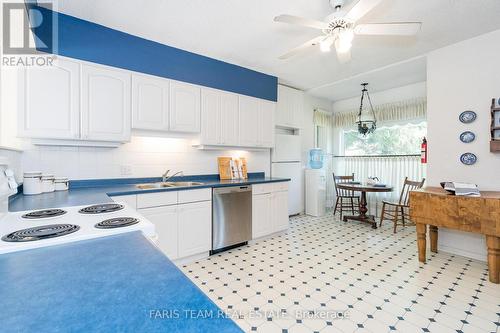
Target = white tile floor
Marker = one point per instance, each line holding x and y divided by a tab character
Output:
325	275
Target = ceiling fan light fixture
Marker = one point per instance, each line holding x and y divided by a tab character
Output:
326	45
343	43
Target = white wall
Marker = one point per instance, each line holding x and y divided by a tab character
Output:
460	77
145	156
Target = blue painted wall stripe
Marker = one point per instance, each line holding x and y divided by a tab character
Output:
96	43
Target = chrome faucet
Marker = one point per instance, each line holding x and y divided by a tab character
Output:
165	177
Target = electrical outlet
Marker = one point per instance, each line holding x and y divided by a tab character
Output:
125	170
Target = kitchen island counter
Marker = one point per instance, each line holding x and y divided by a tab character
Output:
117	283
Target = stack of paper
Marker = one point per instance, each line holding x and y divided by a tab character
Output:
464	189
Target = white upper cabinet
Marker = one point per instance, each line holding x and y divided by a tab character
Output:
229	119
150	102
290	107
219	118
210	117
49	101
105	104
266	126
184	107
256	122
249	121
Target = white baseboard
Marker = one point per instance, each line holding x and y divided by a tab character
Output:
462	252
462	243
190	259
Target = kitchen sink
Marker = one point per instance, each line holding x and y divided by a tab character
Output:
151	186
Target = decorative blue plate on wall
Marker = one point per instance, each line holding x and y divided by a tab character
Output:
467	117
467	137
468	158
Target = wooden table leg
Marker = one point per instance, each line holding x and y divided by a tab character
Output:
363	209
421	241
493	244
433	235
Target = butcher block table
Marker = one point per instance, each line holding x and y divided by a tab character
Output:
435	207
363	209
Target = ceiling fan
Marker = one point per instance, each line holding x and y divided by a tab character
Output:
339	28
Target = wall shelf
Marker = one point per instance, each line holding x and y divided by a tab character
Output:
495	128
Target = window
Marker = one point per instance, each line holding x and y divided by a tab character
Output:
386	140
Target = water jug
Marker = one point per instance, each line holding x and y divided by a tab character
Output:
316	158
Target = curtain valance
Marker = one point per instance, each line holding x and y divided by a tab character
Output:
322	118
404	110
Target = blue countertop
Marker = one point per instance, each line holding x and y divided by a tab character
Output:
88	192
118	283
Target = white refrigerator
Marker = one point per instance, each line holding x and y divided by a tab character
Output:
286	163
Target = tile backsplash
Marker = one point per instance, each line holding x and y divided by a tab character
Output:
13	159
142	157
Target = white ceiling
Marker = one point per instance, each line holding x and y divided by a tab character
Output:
243	33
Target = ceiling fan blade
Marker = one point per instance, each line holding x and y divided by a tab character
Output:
300	48
305	22
393	29
361	8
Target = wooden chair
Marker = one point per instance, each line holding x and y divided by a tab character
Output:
346	200
395	211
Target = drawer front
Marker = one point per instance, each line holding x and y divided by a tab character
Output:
156	199
262	188
204	194
280	187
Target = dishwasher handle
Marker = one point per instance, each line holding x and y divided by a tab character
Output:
232	189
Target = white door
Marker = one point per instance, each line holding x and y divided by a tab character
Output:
49	101
105	104
150	103
249	121
166	226
279	206
266	123
184	107
261	215
210	117
229	119
195	228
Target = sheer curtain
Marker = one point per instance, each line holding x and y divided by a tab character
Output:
390	170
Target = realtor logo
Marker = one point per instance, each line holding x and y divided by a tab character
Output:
28	34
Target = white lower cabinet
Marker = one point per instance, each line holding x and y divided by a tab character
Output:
261	215
194	228
279	203
166	224
183	223
269	210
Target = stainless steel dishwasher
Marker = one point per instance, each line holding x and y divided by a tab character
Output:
231	217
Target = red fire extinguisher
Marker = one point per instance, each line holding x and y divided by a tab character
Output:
423	151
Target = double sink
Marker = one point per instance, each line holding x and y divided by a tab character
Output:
151	186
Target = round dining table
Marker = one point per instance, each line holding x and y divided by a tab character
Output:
363	209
